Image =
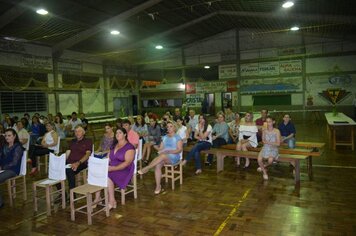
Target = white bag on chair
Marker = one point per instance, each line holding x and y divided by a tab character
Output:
98	171
57	167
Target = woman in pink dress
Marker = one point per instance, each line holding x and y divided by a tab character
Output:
121	164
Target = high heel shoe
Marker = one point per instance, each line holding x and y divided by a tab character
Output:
112	206
159	191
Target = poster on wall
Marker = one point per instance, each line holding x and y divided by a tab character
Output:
194	100
227	71
211	87
271	85
271	68
330	89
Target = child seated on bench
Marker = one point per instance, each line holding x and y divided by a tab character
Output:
271	140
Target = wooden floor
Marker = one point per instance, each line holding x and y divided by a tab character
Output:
234	202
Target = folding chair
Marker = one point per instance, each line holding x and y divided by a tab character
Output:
131	188
57	174
97	182
12	185
170	171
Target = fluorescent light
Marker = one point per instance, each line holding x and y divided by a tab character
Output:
42	11
159	47
294	28
288	4
206	67
182	86
115	32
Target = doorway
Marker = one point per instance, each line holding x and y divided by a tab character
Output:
208	106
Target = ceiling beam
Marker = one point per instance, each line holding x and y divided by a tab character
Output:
170	31
101	26
336	19
16	11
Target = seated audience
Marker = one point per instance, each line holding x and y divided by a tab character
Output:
153	138
78	155
132	136
182	130
37	130
260	122
48	144
107	140
23	135
169	153
288	131
140	128
192	123
10	158
118	123
271	141
2	136
85	121
60	127
229	115
72	123
234	129
203	134
220	135
247	137
121	165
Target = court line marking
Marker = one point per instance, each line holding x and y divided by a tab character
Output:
232	212
341	167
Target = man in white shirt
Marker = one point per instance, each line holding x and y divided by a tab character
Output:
192	123
23	135
72	123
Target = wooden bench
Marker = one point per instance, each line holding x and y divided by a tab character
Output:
311	149
221	154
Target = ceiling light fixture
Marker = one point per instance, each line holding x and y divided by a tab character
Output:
115	32
206	67
294	28
288	4
159	47
42	11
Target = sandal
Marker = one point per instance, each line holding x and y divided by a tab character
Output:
198	171
159	191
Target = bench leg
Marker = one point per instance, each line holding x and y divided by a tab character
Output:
219	163
297	172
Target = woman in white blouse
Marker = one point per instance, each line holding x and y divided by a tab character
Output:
182	130
247	137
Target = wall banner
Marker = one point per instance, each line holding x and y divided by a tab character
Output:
271	68
211	87
190	88
194	100
38	62
227	71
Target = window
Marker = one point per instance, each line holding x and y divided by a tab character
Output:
12	102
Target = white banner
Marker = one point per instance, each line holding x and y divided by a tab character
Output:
290	67
227	71
194	100
211	87
271	68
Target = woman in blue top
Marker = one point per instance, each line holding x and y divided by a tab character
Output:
169	153
10	157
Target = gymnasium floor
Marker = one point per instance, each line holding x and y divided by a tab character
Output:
234	202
